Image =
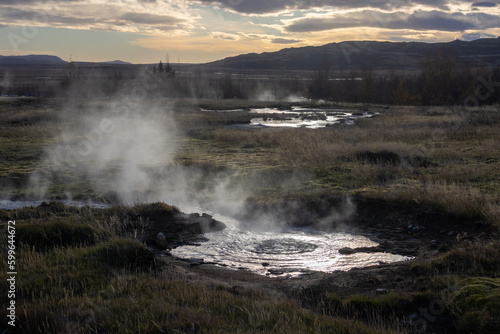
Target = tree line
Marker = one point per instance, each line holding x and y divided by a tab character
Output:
440	80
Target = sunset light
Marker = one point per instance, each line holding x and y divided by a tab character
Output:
191	31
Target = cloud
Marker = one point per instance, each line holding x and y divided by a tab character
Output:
484	4
476	35
224	36
274	6
145	18
281	40
121	15
418	20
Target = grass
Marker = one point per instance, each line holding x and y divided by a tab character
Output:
470	258
439	157
465	282
386	308
476	305
82	283
82	267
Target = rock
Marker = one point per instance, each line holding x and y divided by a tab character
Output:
346	251
162	244
349	251
443	248
177	229
196	262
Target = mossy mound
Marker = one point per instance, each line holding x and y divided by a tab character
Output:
477	305
52	234
155	211
122	253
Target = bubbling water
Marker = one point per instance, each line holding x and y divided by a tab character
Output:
292	251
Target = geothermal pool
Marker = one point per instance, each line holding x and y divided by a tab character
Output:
268	251
299	117
282	252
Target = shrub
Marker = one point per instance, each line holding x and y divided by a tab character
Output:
155	211
52	234
122	253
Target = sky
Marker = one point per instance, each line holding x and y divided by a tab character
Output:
199	31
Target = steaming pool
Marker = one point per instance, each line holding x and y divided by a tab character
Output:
299	117
279	252
288	252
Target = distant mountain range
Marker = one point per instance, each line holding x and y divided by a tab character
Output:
48	60
31	59
337	56
368	54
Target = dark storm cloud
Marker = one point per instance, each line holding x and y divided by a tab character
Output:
419	20
33	2
484	4
10	14
27	17
271	6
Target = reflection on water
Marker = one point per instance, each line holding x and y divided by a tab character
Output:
300	117
289	252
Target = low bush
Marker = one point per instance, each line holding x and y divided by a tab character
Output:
121	253
154	211
476	306
52	234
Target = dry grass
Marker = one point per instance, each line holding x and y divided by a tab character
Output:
446	158
113	285
461	200
438	157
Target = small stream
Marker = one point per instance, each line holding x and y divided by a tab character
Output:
299	117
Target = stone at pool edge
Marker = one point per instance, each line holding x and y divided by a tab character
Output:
349	251
184	229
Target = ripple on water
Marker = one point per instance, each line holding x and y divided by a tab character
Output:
283	247
289	252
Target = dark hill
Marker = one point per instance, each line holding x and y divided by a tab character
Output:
369	54
31	59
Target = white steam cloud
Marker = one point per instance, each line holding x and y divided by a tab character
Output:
124	150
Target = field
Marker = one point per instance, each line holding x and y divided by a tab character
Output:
432	167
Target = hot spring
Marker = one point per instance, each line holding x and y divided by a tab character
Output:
283	252
270	252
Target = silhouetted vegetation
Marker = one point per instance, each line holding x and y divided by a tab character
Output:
440	81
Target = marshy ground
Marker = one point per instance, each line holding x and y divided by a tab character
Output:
424	179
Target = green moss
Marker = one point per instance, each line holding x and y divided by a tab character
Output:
476	305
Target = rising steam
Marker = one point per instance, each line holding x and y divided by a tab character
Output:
124	150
